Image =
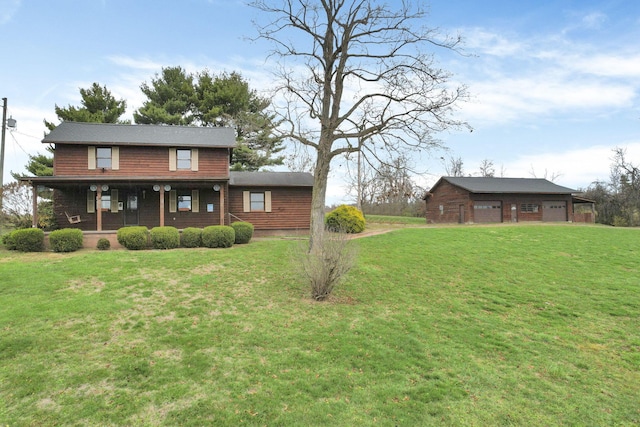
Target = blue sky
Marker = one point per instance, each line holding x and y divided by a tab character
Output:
555	85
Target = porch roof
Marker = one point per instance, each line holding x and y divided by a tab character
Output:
66	181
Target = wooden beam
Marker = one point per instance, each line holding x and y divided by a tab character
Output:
34	222
162	206
222	213
99	208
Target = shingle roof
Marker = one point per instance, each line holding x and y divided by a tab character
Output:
276	179
506	185
116	134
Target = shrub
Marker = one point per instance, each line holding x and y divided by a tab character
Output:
9	242
134	238
331	258
103	244
28	239
346	219
244	231
218	236
191	237
165	237
66	240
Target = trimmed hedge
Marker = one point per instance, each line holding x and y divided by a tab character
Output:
66	240
218	236
8	242
28	239
244	231
345	219
165	237
134	238
103	244
191	237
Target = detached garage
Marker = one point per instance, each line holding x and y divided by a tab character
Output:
494	200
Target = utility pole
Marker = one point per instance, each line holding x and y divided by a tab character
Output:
4	121
11	123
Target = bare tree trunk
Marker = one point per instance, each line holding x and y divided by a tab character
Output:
318	199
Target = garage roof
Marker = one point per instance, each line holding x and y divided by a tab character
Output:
505	185
159	135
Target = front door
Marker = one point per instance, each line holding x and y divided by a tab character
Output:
131	216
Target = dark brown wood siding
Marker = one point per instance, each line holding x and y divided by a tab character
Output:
290	208
73	200
528	207
72	160
443	206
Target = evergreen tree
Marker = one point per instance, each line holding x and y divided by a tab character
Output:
171	99
98	106
178	98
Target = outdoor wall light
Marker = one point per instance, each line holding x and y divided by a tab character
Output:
105	187
156	187
216	187
93	187
167	187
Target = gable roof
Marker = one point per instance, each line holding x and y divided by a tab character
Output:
159	135
277	179
505	185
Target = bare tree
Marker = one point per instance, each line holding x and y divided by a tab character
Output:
453	166
356	75
487	169
551	176
625	182
17	204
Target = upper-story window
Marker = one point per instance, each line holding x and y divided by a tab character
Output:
103	157
183	159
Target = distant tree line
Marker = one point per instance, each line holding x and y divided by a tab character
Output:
618	201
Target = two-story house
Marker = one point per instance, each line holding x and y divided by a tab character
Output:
107	176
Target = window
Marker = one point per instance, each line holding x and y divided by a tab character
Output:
257	201
254	201
529	207
489	206
103	157
106	202
184	202
183	159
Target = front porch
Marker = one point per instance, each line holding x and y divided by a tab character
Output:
113	204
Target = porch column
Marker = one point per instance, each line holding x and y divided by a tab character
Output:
34	222
99	208
162	206
222	214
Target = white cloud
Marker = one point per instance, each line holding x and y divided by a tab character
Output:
515	79
576	168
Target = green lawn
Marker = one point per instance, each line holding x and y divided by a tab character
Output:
506	325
